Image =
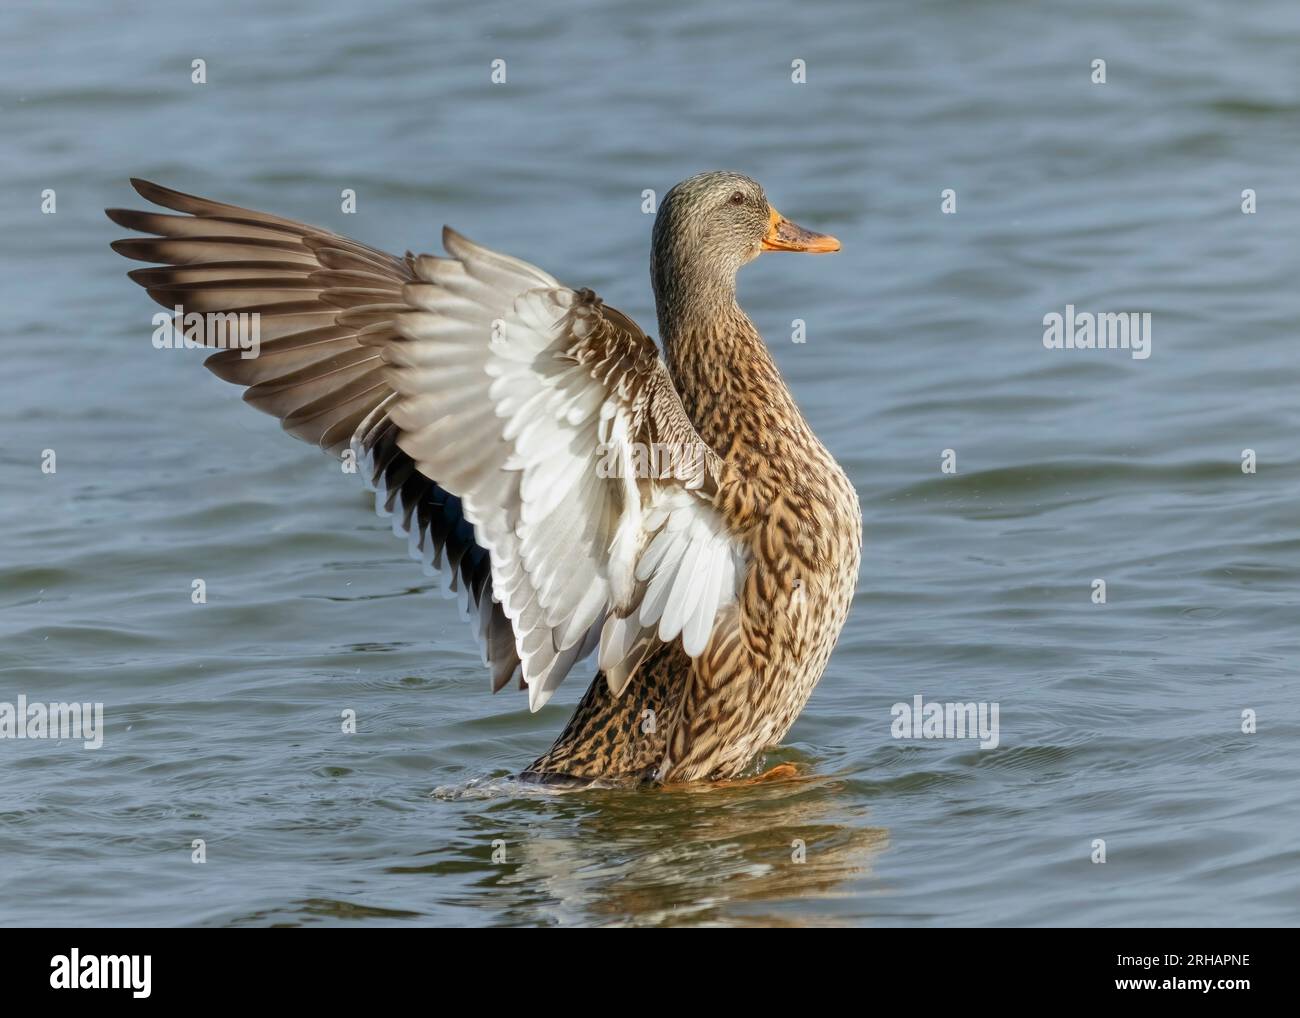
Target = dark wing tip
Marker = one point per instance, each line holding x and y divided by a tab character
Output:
146	188
146	277
179	201
450	237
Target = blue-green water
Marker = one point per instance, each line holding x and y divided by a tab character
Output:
1120	722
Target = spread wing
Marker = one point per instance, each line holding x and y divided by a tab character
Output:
527	438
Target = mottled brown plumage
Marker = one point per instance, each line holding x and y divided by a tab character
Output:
480	393
786	495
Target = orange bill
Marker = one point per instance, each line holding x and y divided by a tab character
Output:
783	235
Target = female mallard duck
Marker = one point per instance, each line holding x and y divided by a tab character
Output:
578	491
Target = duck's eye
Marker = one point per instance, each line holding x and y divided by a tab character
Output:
738	198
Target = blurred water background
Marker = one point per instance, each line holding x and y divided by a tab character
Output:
1119	722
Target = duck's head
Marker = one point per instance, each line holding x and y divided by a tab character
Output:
711	224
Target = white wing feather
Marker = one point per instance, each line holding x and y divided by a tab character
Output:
489	403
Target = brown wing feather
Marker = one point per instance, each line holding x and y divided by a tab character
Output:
326	305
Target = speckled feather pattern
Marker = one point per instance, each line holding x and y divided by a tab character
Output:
793	505
343	363
801	520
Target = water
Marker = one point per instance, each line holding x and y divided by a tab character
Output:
1119	722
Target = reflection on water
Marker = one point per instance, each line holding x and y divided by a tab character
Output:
757	853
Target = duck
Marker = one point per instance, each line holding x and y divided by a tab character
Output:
580	492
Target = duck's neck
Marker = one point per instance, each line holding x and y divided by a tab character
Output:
729	384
